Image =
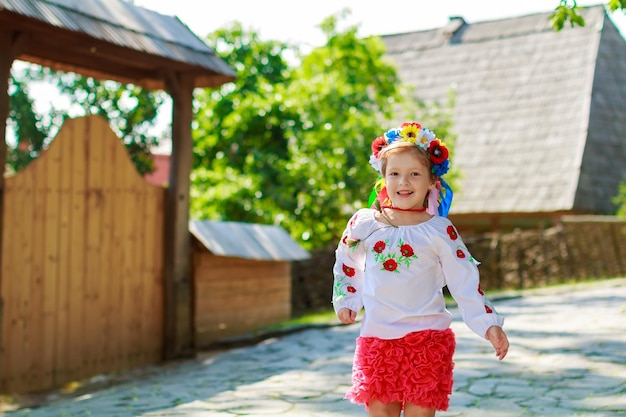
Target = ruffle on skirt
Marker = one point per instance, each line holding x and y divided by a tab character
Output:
416	368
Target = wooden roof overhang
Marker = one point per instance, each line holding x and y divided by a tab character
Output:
131	60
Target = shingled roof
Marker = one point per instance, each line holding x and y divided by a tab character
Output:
125	42
539	113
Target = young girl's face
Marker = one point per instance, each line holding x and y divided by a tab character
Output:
407	179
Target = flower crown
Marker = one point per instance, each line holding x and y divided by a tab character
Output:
425	139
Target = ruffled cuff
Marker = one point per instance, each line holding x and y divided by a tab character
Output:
480	324
341	302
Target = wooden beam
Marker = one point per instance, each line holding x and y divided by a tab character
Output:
10	43
177	285
69	50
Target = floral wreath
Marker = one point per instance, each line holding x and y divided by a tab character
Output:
438	202
425	139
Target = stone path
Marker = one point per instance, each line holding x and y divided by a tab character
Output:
567	359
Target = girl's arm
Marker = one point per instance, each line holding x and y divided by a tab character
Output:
462	278
348	273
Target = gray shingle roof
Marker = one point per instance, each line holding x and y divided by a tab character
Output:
123	24
246	240
538	112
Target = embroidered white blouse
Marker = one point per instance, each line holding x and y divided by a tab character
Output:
397	274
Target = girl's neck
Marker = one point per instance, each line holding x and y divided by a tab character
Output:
403	217
410	210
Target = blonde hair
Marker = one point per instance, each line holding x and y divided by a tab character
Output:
399	147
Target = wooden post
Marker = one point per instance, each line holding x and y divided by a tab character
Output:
177	285
10	43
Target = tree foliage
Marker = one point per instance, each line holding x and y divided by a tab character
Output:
130	110
290	146
567	11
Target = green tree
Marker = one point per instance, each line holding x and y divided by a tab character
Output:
130	110
31	130
239	133
567	11
290	146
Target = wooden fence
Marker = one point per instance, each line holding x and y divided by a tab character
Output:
577	248
82	264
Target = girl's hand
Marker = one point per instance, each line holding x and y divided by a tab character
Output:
499	341
346	316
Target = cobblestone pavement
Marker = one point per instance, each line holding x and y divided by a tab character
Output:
567	358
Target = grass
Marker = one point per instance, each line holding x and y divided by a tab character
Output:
309	319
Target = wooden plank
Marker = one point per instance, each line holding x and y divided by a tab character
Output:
9	215
16	196
36	320
153	247
73	345
6	61
66	149
126	285
93	199
242	301
246	284
130	228
51	257
19	351
261	273
134	195
250	317
116	285
109	281
150	314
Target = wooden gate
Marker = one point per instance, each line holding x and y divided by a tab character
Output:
82	263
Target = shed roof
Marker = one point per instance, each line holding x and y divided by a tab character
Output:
111	39
536	110
246	240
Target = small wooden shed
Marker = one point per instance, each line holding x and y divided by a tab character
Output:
241	276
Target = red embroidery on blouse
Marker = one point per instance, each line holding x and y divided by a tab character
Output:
452	232
348	271
390	265
407	250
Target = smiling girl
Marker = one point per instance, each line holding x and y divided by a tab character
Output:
393	261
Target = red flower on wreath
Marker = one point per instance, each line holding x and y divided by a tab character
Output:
379	246
460	253
452	232
347	270
351	289
437	151
407	250
377	145
390	265
488	309
481	292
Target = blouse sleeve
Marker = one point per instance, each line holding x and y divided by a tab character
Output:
461	275
349	268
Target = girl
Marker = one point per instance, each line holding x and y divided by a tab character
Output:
393	261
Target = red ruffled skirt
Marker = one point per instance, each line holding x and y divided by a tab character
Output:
416	368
